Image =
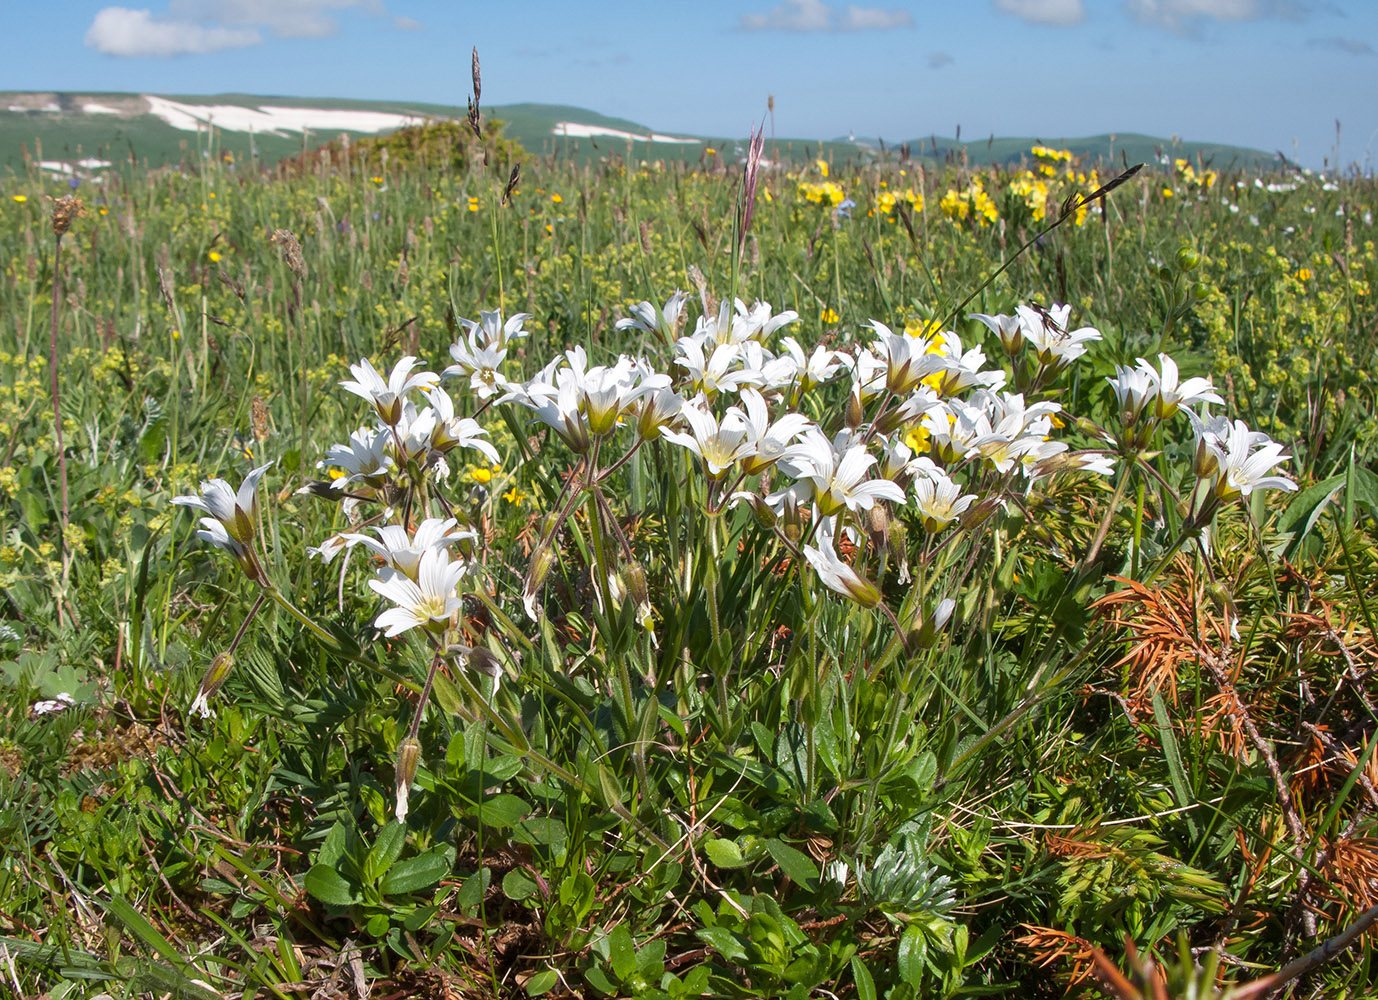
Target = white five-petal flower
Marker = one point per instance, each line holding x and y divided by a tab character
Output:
429	600
387	395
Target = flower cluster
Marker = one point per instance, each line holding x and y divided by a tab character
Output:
971	204
864	459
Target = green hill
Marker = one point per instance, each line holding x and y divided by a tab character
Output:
64	128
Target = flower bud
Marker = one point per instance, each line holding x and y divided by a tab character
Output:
542	560
211	681
1187	259
933	625
760	510
855	413
792	518
1206	462
408	757
977	513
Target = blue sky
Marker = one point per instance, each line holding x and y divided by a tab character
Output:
1271	74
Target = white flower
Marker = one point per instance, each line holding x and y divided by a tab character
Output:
836	574
1247	457
819	367
768	442
939	500
831	474
365	459
1008	328
656	411
448	432
1047	331
386	396
482	365
907	361
1134	390
962	368
717	372
429	601
735	323
403	552
492	333
1171	395
718	444
663	321
233	517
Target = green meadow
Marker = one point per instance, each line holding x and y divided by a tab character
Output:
626	649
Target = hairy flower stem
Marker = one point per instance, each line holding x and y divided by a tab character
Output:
1104	528
57	425
244	625
425	696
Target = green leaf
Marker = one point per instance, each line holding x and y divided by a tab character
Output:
622	952
518	885
138	925
391	839
865	985
724	853
599	980
913	952
420	872
542	982
333	847
329	886
795	863
1174	758
502	811
471	892
1305	510
723	941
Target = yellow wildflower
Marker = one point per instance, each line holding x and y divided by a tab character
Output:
514	496
555	199
924	328
21	198
473	203
828	315
1304	274
709	151
822	166
483	474
214	257
917	439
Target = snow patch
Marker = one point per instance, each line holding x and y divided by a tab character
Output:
93	108
576	130
59	167
274	120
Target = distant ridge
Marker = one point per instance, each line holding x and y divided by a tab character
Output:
94	127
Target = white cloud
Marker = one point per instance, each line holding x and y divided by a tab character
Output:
407	23
874	19
814	15
1059	13
1186	16
120	31
198	26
